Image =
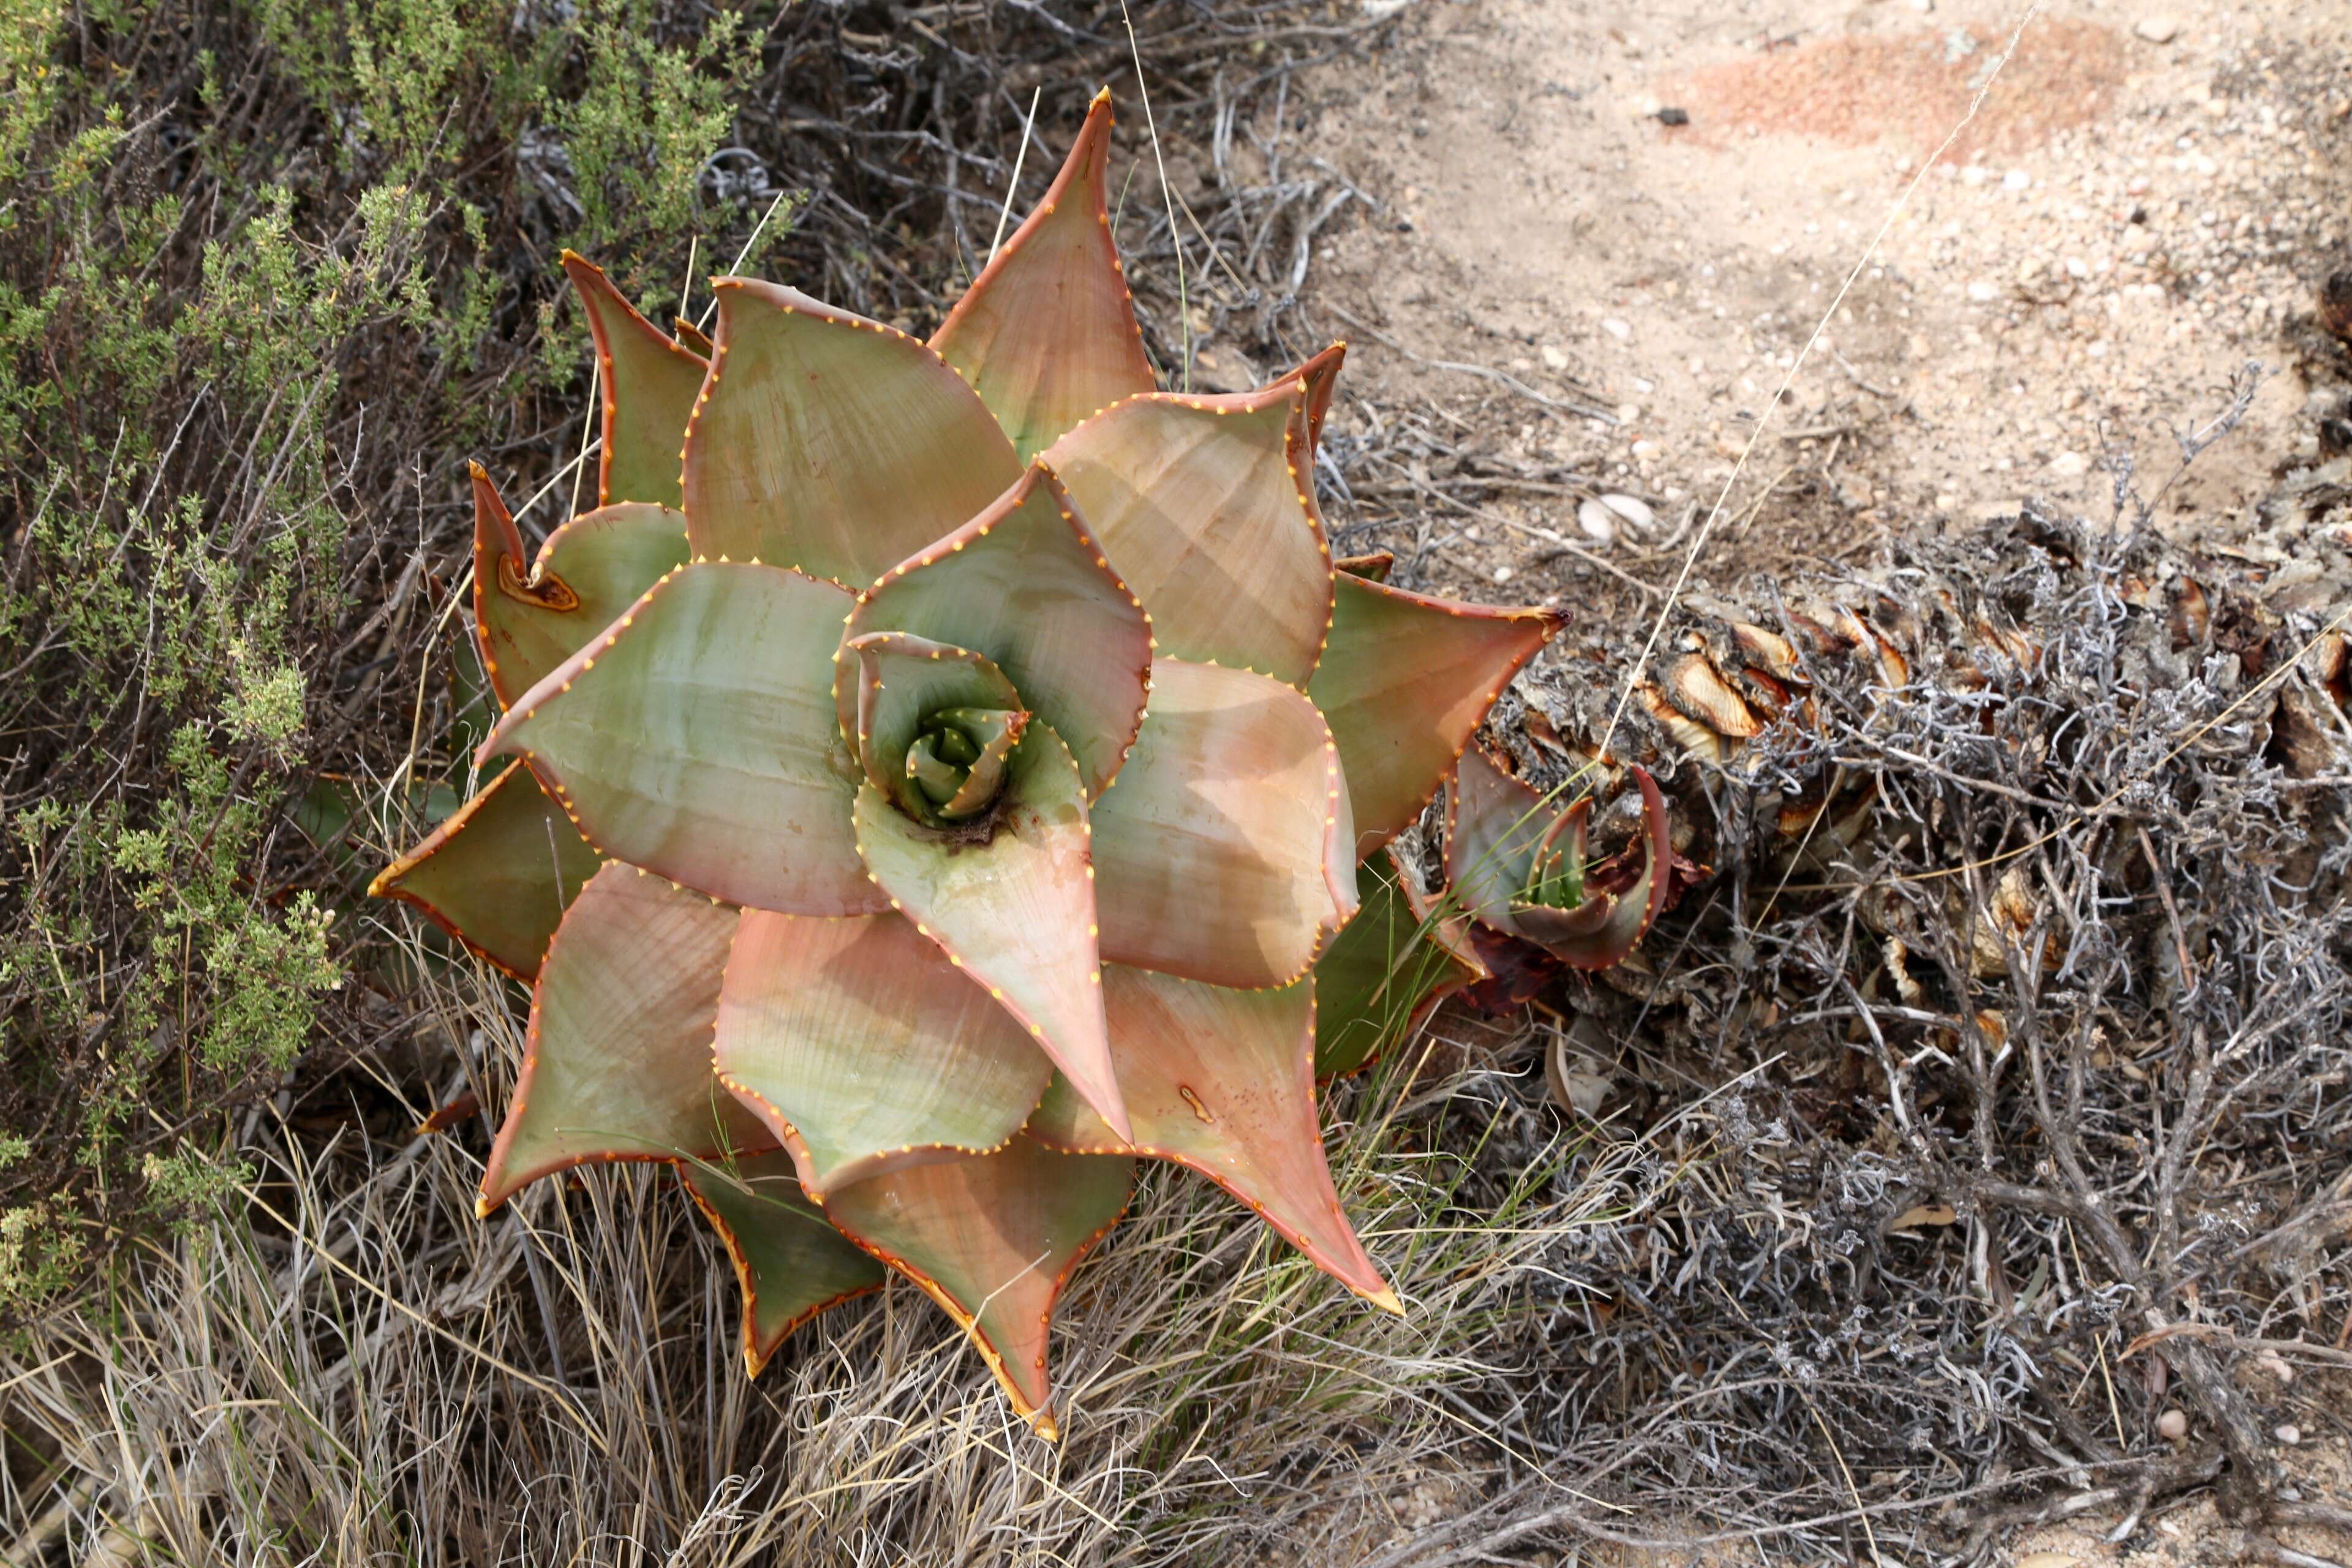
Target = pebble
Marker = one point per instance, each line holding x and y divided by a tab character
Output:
1633	509
1616	329
2016	180
1553	358
1502	573
2070	465
2173	1424
1982	292
2157	30
2289	1434
1598	523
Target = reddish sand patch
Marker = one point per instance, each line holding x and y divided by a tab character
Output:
1911	88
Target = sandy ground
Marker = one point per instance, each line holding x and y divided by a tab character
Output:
1648	210
2139	204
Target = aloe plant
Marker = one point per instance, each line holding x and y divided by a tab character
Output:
938	771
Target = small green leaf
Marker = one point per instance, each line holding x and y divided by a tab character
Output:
1388	968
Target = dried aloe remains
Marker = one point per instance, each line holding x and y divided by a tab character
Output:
811	849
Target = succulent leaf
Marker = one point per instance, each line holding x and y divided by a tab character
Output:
1373	567
589	571
499	874
993	1239
789	1260
650	383
698	737
1046	333
1509	851
1321	374
1405	682
831	443
1223	1081
863	1049
1205	508
1011	899
1025	583
891	691
1226	852
1387	970
616	1062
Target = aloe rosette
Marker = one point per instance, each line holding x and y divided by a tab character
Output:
936	773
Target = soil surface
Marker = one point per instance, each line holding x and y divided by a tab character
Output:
1646	212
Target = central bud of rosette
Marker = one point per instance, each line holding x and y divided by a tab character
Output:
934	726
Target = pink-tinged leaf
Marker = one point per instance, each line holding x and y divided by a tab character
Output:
698	738
886	685
993	1238
499	874
616	1062
1223	1081
1494	822
1373	567
1046	333
692	337
1601	932
590	570
1011	900
1495	827
648	383
831	443
1226	849
1405	682
1026	583
789	1260
1204	505
865	1051
1321	375
1387	971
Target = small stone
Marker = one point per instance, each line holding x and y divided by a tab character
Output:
2289	1434
1947	503
1974	174
1615	328
2070	465
2016	180
1598	523
1628	412
1983	293
1645	451
1502	573
1553	358
1632	508
2173	1424
2157	30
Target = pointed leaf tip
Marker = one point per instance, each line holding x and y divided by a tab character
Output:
790	1262
993	1238
832	443
529	619
1223	1081
650	383
1046	333
1015	909
617	1055
1405	682
497	875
